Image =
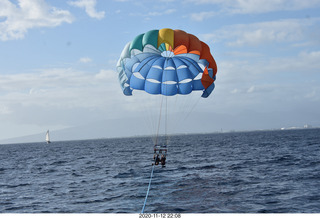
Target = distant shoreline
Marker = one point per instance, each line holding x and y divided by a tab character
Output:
20	140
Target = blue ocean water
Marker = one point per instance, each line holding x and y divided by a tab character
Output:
244	172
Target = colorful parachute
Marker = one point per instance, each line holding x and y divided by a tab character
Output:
167	62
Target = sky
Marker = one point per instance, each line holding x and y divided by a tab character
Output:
58	62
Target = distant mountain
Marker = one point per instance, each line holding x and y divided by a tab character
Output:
126	127
94	130
177	124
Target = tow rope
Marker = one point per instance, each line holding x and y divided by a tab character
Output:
145	200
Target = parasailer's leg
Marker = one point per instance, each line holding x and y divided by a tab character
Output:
163	160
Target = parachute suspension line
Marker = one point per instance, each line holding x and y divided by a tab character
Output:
192	108
145	200
148	117
166	123
187	105
159	121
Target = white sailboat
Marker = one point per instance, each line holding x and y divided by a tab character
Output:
48	137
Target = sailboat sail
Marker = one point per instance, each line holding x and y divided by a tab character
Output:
48	137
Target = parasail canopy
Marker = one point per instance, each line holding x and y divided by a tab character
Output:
167	62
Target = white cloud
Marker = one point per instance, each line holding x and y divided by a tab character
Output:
301	66
234	91
57	98
268	84
28	14
262	33
202	15
251	89
261	6
4	110
164	12
154	13
85	60
105	74
90	8
58	88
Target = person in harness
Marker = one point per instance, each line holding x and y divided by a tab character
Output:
156	159
163	160
160	150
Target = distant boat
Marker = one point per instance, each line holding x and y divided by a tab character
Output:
48	138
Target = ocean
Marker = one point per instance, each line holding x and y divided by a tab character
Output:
239	172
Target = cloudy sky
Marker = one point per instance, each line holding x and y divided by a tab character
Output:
58	61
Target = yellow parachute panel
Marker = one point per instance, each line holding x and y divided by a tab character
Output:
166	36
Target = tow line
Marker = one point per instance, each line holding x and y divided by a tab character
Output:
145	200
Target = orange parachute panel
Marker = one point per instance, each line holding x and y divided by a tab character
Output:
180	38
206	80
205	54
194	44
180	50
195	52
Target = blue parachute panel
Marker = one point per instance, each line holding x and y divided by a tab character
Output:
185	88
159	62
137	82
156	70
169	76
208	91
155	74
192	66
152	87
184	74
169	89
197	85
145	65
129	65
182	70
204	62
169	72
